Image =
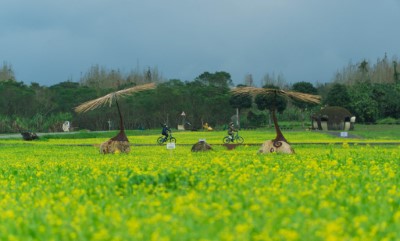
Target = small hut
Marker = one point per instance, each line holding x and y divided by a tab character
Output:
333	118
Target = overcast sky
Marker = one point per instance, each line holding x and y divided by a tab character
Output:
50	41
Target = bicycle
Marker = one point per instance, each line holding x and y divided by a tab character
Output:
237	138
163	139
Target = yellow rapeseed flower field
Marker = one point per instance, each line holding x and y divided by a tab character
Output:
59	190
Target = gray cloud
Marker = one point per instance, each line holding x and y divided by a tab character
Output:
305	40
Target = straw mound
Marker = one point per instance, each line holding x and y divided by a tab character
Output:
201	146
29	136
277	146
111	146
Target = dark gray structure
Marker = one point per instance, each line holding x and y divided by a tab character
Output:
333	118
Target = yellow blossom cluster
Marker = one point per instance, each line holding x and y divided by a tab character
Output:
323	192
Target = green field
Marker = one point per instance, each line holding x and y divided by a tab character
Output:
61	188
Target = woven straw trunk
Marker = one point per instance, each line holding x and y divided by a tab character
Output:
276	146
110	147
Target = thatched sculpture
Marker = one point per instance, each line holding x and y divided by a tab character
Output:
279	144
201	146
333	118
120	142
29	136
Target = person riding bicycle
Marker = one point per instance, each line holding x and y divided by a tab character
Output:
165	131
231	130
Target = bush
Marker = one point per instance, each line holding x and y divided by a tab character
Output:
37	123
256	119
388	121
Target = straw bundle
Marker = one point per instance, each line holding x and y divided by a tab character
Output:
109	98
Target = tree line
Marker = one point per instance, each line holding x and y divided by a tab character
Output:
370	91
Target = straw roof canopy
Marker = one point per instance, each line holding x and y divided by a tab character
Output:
109	98
289	94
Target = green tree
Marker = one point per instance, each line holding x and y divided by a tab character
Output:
218	79
67	95
240	102
209	94
363	105
43	99
204	100
100	78
380	72
6	72
217	102
396	74
198	100
170	101
256	119
274	80
271	102
304	87
387	98
16	99
338	96
308	88
141	110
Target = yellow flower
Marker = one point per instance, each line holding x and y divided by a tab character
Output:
242	228
8	214
359	220
133	226
396	216
288	234
102	234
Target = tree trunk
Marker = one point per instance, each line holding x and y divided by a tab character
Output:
279	144
118	143
238	118
279	135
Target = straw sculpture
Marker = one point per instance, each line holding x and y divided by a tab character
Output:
120	142
279	144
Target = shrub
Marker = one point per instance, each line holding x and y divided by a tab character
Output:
388	121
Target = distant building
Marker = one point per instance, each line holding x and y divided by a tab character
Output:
333	118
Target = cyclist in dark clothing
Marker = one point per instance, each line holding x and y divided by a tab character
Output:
165	131
231	130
